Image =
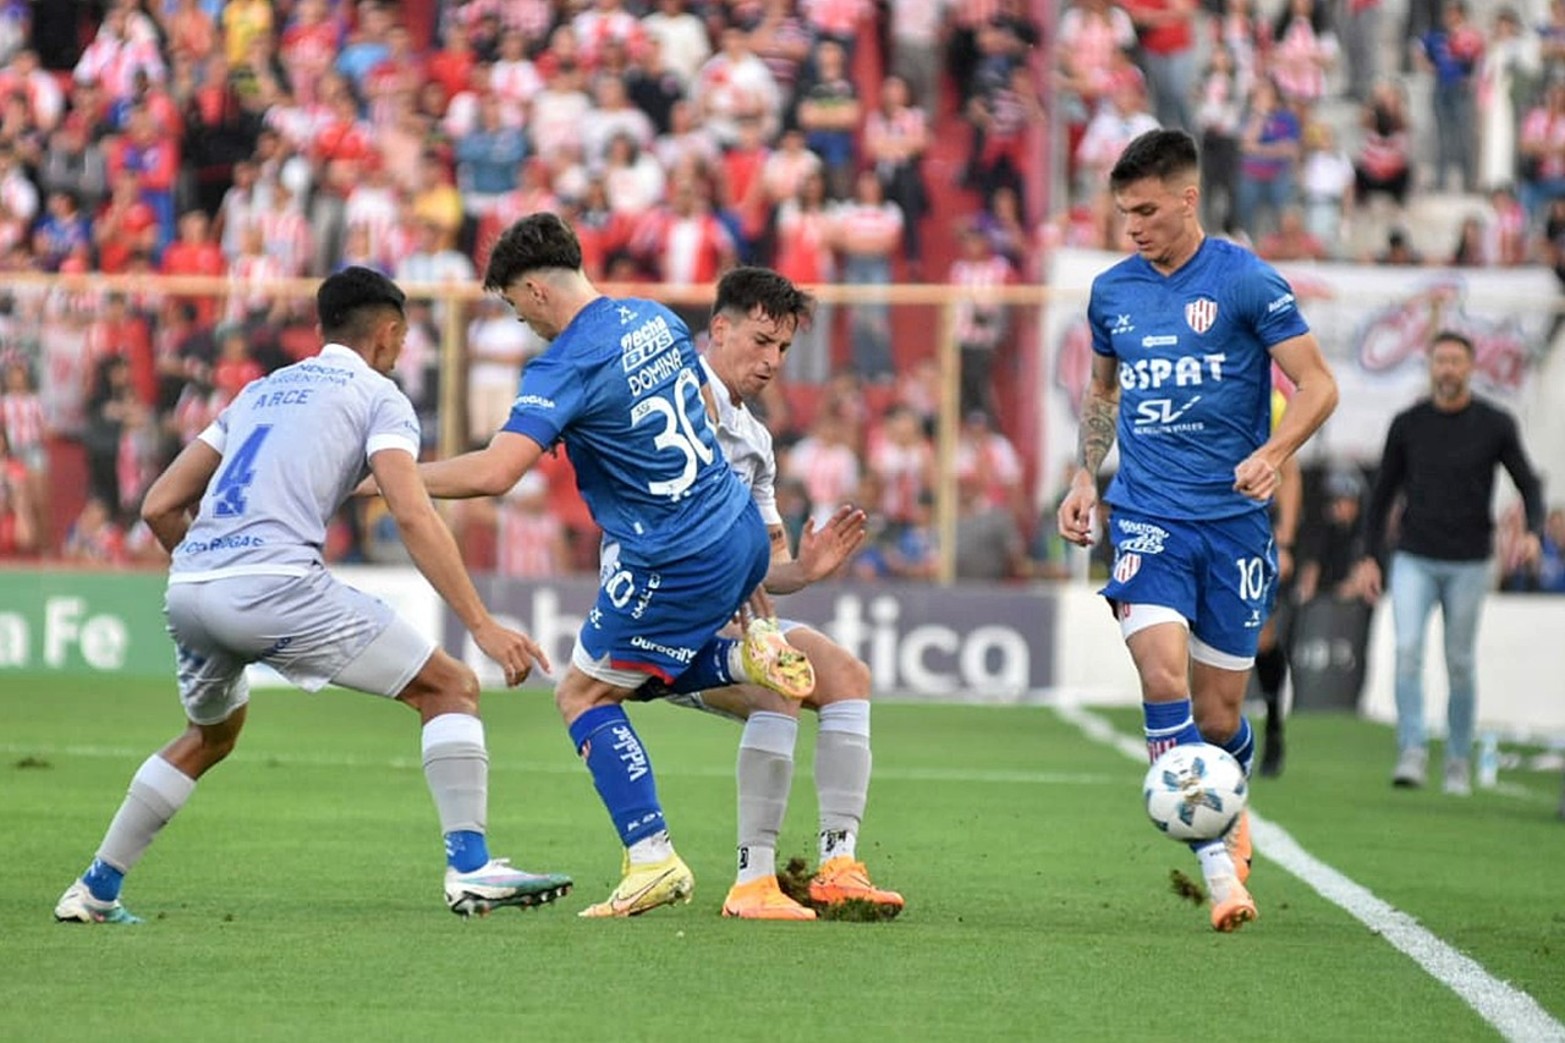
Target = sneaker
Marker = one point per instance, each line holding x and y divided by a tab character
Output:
770	661
1232	906
497	883
1412	768
1239	847
77	905
647	887
763	899
842	879
1458	778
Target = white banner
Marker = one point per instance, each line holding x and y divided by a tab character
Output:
1374	324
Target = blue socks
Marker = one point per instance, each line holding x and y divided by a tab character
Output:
709	669
466	850
1168	725
103	880
621	771
1242	745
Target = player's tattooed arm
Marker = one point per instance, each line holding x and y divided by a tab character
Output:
1099	415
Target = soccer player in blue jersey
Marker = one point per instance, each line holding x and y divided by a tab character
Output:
1184	333
246	584
622	388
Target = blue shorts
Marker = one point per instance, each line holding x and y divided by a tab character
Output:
1220	574
655	620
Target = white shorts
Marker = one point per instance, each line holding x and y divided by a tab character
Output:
312	629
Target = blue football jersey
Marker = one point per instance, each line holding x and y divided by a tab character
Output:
621	387
1194	375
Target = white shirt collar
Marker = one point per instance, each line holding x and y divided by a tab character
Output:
343	352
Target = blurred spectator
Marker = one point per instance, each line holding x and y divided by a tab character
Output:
93	538
868	231
530	539
605	21
489	158
1470	250
116	54
118	330
1361	42
25	429
111	405
1384	163
686	139
1506	231
1453	51
681	38
18	534
1542	148
1329	552
632	176
903	457
1090	35
982	323
825	461
909	551
613	116
497	346
1116	124
1008	236
1508	79
804	255
896	134
43	99
235	366
1168	55
828	113
746	201
783	41
1304	51
989	544
1292	240
195	254
987	459
250	277
1219	109
1399	250
653	87
1326	179
435	200
559	111
1001	117
309	45
367	45
63	230
734	84
154	156
916	27
74	164
684	241
1268	158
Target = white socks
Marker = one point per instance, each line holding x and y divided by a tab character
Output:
157	791
842	768
765	774
456	766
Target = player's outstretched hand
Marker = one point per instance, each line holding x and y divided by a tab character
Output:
757	606
1257	477
514	651
368	487
1075	517
822	551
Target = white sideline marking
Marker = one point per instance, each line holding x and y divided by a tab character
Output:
341	760
1512	1013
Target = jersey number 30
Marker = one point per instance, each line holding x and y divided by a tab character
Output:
237	475
679	431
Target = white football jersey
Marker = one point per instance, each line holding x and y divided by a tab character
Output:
748	445
294	445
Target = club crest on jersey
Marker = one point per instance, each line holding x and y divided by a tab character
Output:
1201	313
1127	566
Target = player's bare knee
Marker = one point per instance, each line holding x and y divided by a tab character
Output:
1161	685
1217	724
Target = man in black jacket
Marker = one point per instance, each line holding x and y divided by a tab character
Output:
1440	454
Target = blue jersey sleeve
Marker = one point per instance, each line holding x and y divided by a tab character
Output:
1267	301
1097	322
552	393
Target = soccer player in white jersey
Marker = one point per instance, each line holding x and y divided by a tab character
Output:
247	584
1184	333
621	387
754	319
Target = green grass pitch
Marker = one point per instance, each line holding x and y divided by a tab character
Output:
297	897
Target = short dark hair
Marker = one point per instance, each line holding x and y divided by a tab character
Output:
1163	153
744	289
541	240
1462	340
345	297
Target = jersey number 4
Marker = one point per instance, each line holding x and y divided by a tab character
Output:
237	475
679	431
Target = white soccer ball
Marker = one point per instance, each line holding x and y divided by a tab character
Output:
1195	792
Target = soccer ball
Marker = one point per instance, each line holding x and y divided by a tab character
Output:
1195	791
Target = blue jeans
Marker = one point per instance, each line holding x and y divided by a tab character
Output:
1459	586
1254	193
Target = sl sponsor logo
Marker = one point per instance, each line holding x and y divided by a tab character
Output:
1145	538
1200	314
1121	325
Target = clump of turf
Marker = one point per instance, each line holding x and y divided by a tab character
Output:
32	762
794	879
1185	887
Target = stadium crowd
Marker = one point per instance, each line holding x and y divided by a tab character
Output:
259	139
